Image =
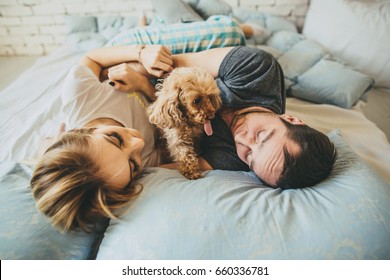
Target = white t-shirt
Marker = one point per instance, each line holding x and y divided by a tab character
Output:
85	98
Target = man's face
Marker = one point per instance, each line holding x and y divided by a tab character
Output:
260	139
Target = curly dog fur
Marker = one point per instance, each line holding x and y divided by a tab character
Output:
186	100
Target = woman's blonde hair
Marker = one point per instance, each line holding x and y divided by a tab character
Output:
70	189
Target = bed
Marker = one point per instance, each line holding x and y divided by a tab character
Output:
226	214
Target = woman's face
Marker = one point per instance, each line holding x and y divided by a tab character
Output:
118	153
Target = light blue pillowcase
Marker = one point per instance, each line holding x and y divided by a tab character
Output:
25	234
208	8
90	32
330	82
175	11
312	74
271	22
76	24
231	215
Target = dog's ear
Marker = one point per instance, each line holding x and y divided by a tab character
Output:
216	100
165	112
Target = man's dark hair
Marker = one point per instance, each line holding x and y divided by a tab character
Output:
312	164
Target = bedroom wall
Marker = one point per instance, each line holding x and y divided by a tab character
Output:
36	27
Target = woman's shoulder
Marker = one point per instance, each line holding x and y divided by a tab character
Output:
78	80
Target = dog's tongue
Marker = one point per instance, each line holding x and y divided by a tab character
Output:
207	128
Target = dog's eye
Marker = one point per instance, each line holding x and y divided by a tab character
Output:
197	100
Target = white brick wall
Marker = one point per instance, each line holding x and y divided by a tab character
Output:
36	27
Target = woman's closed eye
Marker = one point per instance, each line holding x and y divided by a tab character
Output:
135	164
117	138
135	169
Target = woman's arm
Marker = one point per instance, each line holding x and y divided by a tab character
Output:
156	59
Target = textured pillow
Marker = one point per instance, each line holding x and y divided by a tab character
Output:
355	31
312	74
231	215
208	8
25	233
90	32
175	11
110	26
75	24
269	21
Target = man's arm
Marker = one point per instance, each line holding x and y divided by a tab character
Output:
209	59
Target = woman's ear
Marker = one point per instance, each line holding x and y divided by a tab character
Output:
292	119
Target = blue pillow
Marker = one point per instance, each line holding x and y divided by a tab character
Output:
25	233
76	24
208	8
175	11
312	74
231	215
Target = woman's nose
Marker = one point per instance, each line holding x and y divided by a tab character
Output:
135	145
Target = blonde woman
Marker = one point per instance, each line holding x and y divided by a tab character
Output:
89	172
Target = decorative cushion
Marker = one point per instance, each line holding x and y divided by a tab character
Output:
231	215
312	74
76	24
175	11
271	22
25	233
356	32
110	26
208	8
90	32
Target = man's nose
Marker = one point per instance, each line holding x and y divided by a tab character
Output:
246	139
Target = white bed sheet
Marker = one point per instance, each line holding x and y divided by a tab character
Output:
31	106
31	111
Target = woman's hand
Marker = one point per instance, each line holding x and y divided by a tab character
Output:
156	59
125	79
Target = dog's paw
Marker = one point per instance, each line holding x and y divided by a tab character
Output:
192	175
